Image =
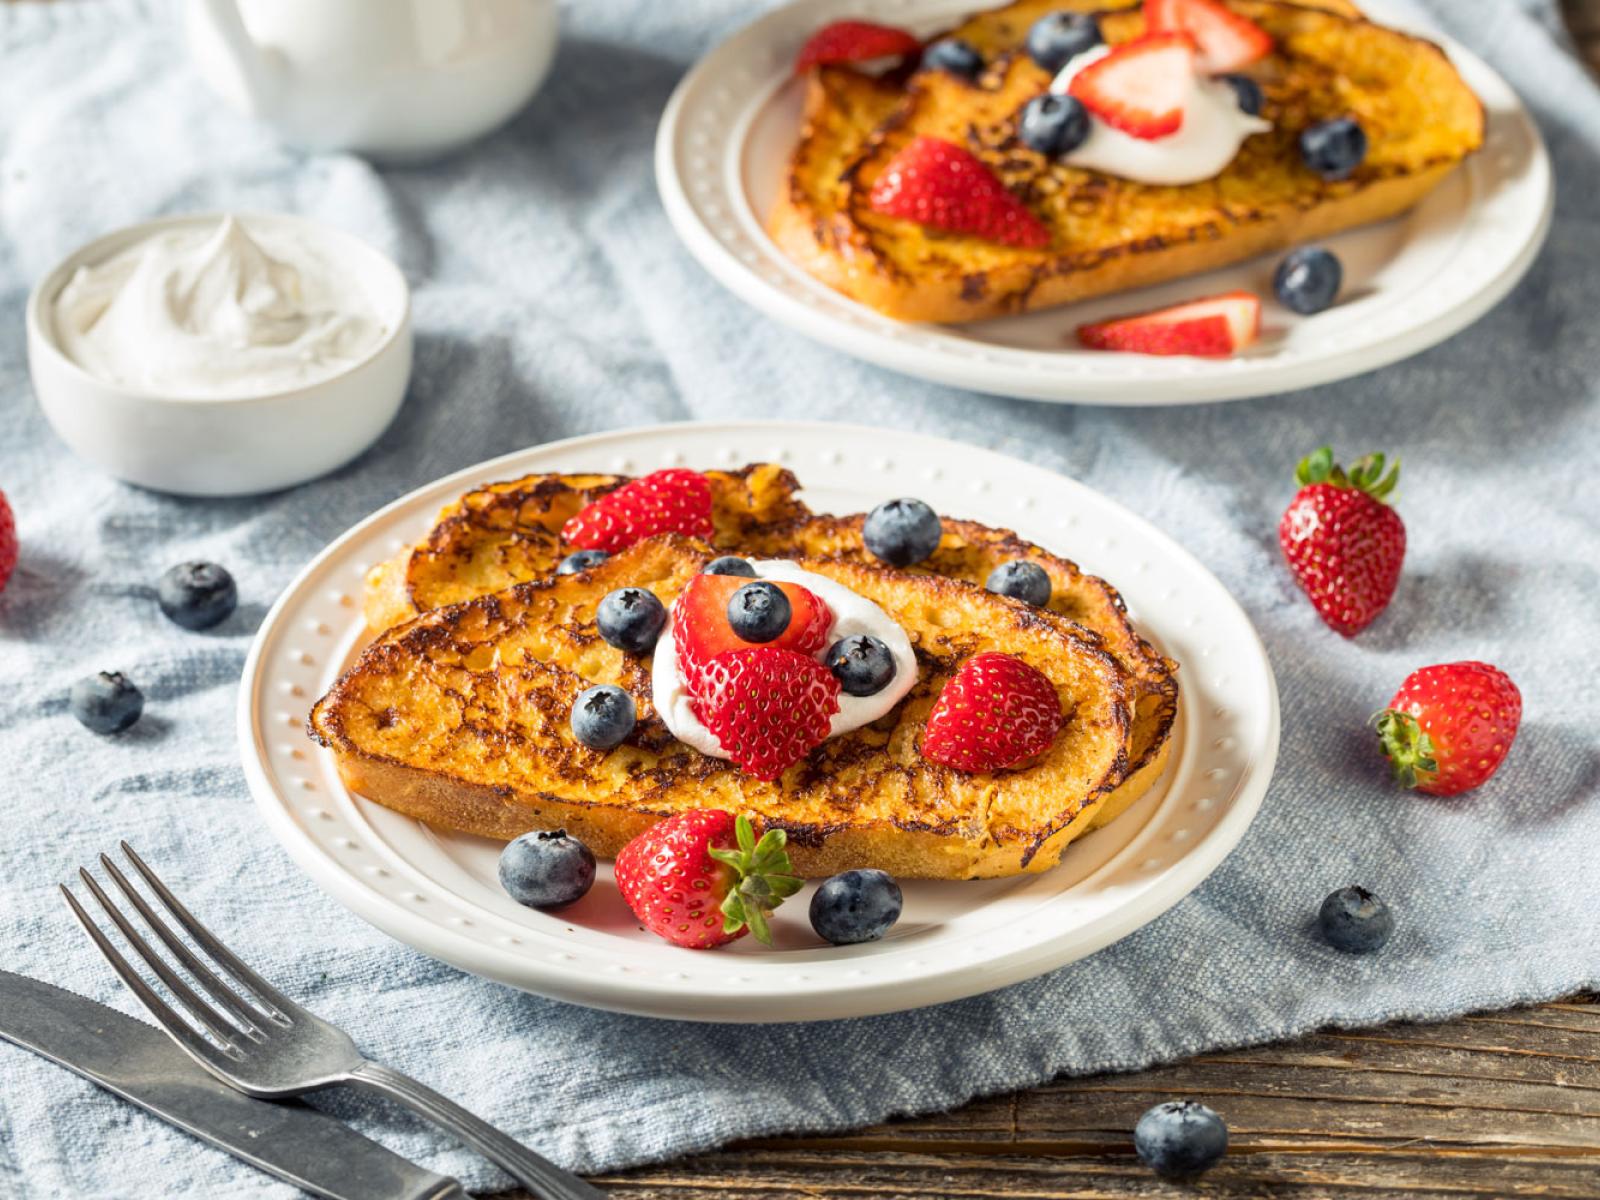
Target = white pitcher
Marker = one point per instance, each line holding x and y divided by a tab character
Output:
399	80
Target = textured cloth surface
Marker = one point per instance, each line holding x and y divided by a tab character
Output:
552	299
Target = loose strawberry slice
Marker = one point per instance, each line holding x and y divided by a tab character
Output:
995	712
672	501
767	707
853	41
1212	328
1226	41
1140	86
935	182
701	879
700	628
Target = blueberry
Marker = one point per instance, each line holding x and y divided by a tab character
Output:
105	703
862	664
902	532
546	869
1053	125
1247	91
581	560
1180	1138
759	612
730	564
631	619
1334	149
603	716
857	906
197	595
1021	580
1061	36
955	56
1307	280
1355	921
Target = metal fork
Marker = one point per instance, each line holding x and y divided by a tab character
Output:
259	1041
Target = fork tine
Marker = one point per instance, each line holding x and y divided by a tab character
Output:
164	1014
219	953
214	987
210	1019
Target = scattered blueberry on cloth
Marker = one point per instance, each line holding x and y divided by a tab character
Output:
552	299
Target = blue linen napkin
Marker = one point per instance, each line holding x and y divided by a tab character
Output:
552	299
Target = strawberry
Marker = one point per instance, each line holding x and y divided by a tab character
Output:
1214	327
672	501
1140	86
1343	542
700	879
935	182
8	541
1448	727
700	628
767	707
1226	41
995	712
853	41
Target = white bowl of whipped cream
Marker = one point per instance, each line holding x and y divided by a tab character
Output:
221	355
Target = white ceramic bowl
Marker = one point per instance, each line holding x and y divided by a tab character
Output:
224	447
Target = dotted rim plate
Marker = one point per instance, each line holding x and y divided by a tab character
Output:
437	891
721	151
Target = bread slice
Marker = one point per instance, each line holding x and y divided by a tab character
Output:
459	718
1109	234
505	533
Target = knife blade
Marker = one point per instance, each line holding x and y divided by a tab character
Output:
293	1141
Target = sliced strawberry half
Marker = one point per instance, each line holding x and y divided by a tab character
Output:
768	707
700	628
938	183
853	41
671	501
1211	328
1140	86
1225	40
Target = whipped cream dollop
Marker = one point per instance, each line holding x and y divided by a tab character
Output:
1213	129
852	614
223	313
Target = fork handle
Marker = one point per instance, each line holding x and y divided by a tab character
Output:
546	1180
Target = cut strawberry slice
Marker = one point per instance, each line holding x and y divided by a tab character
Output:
1212	328
701	631
935	182
1140	86
853	41
1226	41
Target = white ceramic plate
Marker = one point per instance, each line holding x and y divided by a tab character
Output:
722	152
438	892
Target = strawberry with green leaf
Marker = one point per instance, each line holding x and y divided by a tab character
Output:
1450	726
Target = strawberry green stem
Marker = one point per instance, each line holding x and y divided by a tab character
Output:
1365	474
1408	749
765	880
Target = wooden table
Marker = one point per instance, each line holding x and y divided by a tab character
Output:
1498	1105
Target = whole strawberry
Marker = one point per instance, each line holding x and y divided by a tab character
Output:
767	706
995	712
701	879
671	501
1343	542
938	183
1449	727
8	541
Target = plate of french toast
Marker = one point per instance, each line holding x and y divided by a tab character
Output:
758	721
1156	202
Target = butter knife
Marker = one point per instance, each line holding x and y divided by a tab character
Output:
296	1143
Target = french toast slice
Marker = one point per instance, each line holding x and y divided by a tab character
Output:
460	718
1110	234
505	533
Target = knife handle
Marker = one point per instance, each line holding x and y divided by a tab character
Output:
546	1180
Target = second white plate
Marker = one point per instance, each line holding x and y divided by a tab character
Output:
722	152
437	891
